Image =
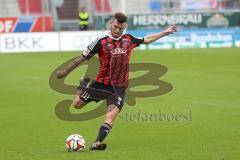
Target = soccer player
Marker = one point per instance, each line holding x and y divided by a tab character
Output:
114	51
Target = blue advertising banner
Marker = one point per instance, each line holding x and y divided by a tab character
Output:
193	38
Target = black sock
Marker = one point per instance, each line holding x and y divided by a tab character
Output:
103	132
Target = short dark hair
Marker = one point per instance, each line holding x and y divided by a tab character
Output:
120	17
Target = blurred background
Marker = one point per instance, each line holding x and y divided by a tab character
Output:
64	14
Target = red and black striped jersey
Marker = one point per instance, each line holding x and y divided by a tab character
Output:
114	56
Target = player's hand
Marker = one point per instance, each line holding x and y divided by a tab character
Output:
61	74
171	30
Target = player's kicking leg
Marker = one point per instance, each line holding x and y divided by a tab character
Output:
105	128
78	102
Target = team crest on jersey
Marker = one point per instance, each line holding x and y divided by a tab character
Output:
125	43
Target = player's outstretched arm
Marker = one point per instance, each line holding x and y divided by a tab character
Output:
153	37
62	73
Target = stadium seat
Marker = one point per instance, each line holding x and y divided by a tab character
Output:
35	6
99	8
69	10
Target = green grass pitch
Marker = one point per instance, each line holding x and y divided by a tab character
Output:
206	86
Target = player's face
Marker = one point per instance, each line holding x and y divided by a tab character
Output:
117	28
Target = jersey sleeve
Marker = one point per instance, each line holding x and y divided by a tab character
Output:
136	41
92	49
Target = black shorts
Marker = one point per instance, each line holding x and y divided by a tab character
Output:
99	91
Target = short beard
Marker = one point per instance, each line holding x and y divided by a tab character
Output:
113	35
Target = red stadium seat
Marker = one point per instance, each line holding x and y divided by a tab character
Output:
69	10
99	8
35	6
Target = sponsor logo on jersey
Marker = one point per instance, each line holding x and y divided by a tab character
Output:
118	51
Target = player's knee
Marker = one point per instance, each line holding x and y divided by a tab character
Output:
77	104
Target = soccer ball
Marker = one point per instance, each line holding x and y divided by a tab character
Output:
75	142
